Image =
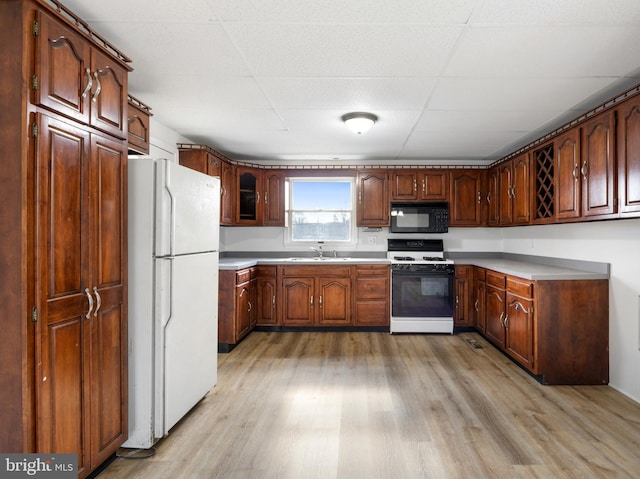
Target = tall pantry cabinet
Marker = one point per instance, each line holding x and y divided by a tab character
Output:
63	238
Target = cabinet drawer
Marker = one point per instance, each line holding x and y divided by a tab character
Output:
496	279
372	287
520	287
245	275
481	274
266	271
372	269
313	270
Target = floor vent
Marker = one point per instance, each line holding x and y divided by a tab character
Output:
474	343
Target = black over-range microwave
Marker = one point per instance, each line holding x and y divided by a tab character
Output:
431	217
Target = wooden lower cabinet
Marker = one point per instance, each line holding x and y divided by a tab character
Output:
462	315
237	306
558	330
495	299
316	296
372	295
480	299
267	296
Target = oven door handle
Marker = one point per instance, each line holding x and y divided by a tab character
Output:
416	274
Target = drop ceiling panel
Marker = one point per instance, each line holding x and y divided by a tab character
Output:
339	11
512	94
554	12
472	146
135	11
312	50
468	121
546	52
347	94
197	49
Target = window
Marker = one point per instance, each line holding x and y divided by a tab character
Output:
320	209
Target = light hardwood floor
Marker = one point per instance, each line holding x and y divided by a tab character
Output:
355	405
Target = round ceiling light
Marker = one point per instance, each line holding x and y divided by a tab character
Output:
359	122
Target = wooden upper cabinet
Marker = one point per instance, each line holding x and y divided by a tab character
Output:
201	160
78	80
521	189
628	155
567	174
419	185
597	170
404	185
138	119
273	198
514	199
227	193
248	196
373	198
505	205
109	109
433	185
493	197
465	198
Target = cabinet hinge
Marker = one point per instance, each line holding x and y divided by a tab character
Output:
34	130
35	28
34	83
34	315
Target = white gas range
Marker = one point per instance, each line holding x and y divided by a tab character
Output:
422	286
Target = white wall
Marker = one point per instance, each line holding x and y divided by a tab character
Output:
163	141
238	239
615	242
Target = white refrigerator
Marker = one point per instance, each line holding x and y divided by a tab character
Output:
173	294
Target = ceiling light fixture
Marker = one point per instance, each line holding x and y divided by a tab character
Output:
359	122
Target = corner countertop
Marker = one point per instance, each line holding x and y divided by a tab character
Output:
532	270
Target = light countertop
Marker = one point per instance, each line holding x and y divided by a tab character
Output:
523	269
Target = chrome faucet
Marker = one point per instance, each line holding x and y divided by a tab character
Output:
317	250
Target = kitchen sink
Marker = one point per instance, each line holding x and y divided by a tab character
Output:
326	259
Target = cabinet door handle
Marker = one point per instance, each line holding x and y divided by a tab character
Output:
506	321
424	186
98	88
249	306
311	301
90	298
320	301
575	169
415	185
583	170
457	300
273	301
266	198
98	301
475	305
89	84
489	198
502	318
479	197
257	197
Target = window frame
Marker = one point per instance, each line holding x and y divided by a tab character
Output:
353	230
